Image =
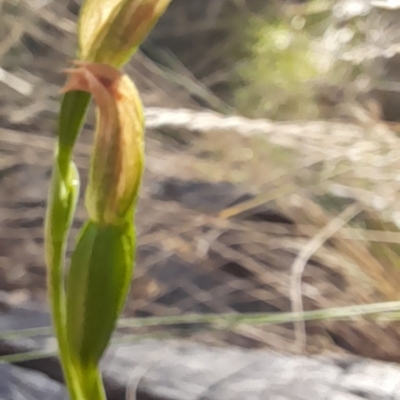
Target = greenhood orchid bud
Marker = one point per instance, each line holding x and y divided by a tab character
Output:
118	152
101	264
110	31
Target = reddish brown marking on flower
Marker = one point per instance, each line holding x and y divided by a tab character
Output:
107	77
106	82
116	94
146	12
112	86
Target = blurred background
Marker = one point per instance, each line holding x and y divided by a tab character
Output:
272	170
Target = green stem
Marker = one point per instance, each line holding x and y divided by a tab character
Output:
57	304
60	212
92	384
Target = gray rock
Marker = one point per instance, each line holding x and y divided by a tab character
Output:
183	370
187	371
21	384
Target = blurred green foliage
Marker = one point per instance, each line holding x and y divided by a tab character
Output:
277	73
289	52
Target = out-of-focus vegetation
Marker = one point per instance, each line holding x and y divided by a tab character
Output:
277	75
295	65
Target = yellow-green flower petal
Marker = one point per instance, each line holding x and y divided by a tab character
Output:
110	31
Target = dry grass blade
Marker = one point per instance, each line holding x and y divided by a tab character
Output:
316	242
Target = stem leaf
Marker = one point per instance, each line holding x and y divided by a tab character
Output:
98	281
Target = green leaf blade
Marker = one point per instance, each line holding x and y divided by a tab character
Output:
98	281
